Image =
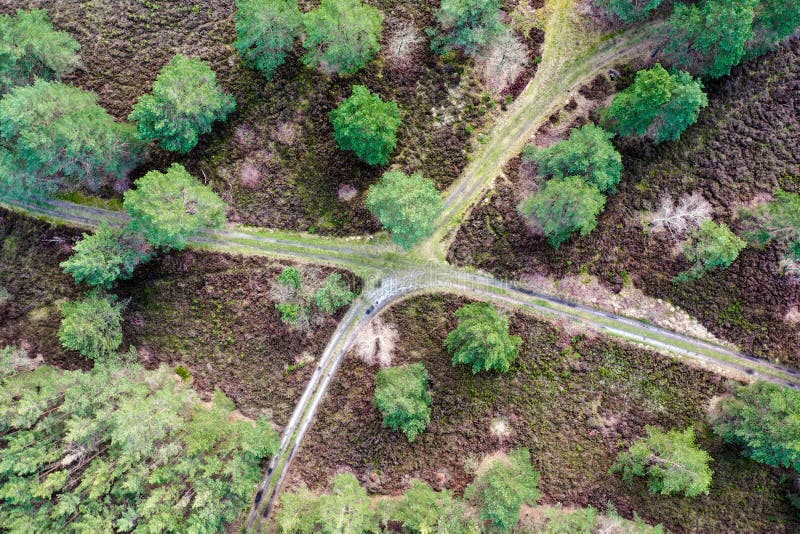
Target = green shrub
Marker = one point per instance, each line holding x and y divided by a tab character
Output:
30	49
577	521
407	206
92	326
764	420
774	21
671	461
291	277
482	339
183	372
468	25
342	36
266	31
169	208
423	510
333	294
185	102
629	11
401	394
778	219
565	206
713	245
367	125
290	312
60	134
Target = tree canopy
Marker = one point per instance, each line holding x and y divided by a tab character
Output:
334	294
778	219
401	394
423	510
367	125
774	21
186	100
407	206
712	245
467	25
266	31
629	11
92	326
341	36
482	339
168	208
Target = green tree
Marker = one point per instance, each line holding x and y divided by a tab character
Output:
658	104
401	394
92	326
778	219
30	49
407	206
60	134
712	245
671	461
468	25
565	206
425	511
169	208
775	20
482	339
185	102
266	31
504	487
629	11
108	255
588	153
709	38
764	420
342	36
333	294
119	449
367	125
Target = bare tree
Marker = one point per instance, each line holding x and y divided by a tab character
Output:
403	42
688	214
503	60
375	343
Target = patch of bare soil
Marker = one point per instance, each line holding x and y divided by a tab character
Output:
744	146
575	402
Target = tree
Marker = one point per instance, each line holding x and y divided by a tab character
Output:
168	208
775	20
764	420
712	245
108	255
407	206
658	104
710	38
123	449
30	49
565	206
671	461
342	36
778	219
185	102
367	125
468	25
266	31
629	11
60	134
401	394
92	326
588	153
424	511
504	487
482	339
333	294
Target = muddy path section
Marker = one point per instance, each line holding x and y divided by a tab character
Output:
211	313
744	146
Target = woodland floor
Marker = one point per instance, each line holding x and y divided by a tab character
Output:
575	402
744	146
275	160
210	312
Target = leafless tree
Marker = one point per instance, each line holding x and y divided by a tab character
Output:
678	218
503	60
403	42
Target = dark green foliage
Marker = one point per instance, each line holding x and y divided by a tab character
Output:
423	510
503	488
482	339
169	208
60	134
709	38
565	206
764	420
629	11
775	20
183	105
333	294
401	394
778	219
17	183
712	245
367	125
407	206
467	25
659	105
118	449
342	36
587	153
108	255
266	31
671	461
92	326
31	48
